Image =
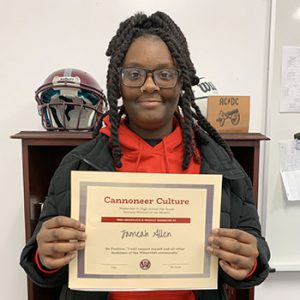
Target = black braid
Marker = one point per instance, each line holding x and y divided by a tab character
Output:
212	132
169	25
161	25
98	124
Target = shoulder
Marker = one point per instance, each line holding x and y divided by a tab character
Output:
98	144
236	184
91	155
95	150
216	160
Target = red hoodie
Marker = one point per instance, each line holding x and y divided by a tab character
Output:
165	157
139	156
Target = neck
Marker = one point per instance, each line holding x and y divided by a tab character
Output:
152	133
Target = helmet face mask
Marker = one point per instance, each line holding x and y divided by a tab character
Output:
70	99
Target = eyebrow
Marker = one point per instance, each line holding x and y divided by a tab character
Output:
160	66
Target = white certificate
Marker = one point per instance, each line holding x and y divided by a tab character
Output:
145	231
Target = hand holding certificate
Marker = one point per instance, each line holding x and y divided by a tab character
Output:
145	231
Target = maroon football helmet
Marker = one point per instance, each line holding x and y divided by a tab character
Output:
70	99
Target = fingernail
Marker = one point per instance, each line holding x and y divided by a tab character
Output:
72	256
82	226
209	249
210	239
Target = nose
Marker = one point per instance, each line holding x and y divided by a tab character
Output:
149	85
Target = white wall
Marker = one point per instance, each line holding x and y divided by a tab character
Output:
281	126
279	285
229	42
281	219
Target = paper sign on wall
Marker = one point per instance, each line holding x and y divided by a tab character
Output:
289	157
229	113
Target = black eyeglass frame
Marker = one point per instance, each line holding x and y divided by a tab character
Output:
152	75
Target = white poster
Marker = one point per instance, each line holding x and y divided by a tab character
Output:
290	169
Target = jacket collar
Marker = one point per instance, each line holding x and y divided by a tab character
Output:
214	159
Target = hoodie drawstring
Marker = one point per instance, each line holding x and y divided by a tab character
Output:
166	156
140	151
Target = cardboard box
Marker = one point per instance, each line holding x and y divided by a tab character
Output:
229	113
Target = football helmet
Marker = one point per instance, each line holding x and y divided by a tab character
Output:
70	99
201	91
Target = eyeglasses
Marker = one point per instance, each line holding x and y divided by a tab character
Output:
163	78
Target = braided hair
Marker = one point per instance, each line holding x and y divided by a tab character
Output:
193	122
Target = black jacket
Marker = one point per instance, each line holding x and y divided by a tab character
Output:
237	211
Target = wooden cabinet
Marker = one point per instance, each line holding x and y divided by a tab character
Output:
42	152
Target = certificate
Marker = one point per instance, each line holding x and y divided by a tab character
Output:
145	231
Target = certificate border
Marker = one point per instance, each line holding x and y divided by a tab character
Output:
208	227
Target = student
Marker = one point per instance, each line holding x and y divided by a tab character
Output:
158	129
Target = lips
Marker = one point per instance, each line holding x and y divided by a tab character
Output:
148	100
149	103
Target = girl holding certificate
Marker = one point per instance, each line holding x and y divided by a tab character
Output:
157	129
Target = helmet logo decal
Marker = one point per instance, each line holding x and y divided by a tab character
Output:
66	80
